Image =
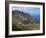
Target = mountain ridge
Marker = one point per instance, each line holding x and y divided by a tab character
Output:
23	21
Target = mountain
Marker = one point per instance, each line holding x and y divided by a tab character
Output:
23	21
21	16
27	16
19	12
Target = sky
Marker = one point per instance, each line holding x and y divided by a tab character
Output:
30	10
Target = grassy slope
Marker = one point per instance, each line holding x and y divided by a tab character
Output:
21	27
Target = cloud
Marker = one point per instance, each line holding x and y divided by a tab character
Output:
30	10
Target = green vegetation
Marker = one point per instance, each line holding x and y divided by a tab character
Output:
21	27
21	22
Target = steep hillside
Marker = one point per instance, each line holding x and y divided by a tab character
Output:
23	21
